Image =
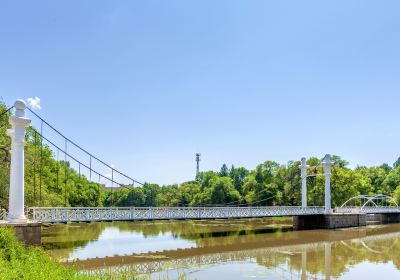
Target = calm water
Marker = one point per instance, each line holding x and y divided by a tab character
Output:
227	249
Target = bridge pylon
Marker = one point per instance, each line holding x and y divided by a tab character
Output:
326	164
327	169
304	168
17	133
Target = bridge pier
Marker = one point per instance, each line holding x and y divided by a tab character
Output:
383	218
330	221
29	233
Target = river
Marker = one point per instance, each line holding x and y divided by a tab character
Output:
226	249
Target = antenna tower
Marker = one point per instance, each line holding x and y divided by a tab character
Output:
198	164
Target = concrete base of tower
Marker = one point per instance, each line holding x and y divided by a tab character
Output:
330	221
29	232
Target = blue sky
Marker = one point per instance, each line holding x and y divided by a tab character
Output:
147	84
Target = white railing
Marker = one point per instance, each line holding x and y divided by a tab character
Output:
367	209
87	214
3	214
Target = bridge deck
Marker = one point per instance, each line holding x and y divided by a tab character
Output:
83	214
367	210
88	214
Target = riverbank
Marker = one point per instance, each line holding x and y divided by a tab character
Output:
19	262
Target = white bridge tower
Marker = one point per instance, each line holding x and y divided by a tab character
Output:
17	133
326	164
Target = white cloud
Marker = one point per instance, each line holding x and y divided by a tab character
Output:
112	166
34	102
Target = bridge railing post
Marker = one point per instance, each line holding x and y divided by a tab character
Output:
327	169
303	168
17	133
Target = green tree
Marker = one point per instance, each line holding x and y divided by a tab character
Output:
136	197
397	163
391	182
204	178
339	162
224	172
220	191
396	195
150	192
386	167
238	175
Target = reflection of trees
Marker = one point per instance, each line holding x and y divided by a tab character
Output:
183	229
321	260
228	236
70	235
343	255
191	229
204	232
272	261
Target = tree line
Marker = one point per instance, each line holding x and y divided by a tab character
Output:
269	184
53	182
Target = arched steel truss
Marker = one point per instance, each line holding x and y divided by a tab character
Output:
370	199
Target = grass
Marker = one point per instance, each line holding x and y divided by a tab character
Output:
19	262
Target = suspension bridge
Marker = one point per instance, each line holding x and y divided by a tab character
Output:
18	214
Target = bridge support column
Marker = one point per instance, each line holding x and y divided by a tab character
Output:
17	133
327	169
303	168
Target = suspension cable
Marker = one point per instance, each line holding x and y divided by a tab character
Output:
34	165
58	167
65	172
6	111
41	163
82	149
67	155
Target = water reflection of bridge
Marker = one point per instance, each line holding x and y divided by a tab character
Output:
267	253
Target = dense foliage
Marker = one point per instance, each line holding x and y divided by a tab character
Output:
18	262
49	182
